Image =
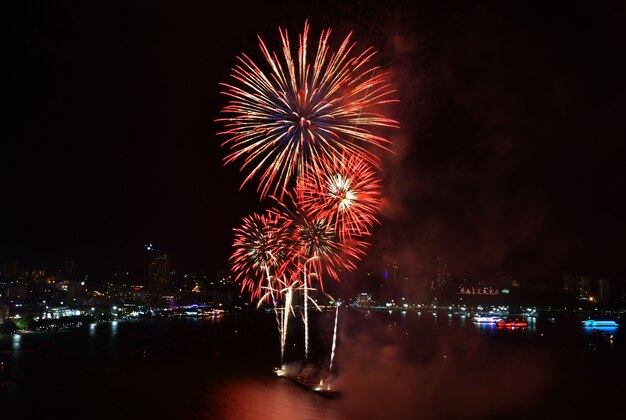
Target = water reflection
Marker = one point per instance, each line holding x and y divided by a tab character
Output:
16	342
601	334
532	323
216	373
92	329
270	398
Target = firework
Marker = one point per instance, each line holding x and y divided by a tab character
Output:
315	244
294	112
346	192
301	122
317	250
261	248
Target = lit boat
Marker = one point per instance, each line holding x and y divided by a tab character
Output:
309	384
513	323
487	319
600	323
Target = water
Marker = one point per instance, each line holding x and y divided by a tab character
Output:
398	365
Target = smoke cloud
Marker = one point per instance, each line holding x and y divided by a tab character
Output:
435	376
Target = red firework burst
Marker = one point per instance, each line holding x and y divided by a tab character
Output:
316	245
345	192
261	250
296	112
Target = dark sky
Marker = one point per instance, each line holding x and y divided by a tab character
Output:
510	156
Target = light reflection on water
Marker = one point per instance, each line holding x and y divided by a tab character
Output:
269	398
202	361
16	342
92	329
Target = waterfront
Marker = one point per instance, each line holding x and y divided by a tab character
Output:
390	365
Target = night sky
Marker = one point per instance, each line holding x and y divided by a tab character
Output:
510	156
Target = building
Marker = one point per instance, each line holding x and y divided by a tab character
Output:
579	286
131	294
4	313
8	269
17	291
157	271
442	279
69	271
76	289
363	300
603	289
585	287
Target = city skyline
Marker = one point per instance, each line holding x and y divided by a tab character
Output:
508	157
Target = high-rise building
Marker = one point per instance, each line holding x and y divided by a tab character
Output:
602	289
442	279
157	270
76	289
579	286
69	272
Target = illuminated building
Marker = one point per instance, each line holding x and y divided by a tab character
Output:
602	289
76	289
157	277
443	279
579	286
17	291
586	288
363	300
132	294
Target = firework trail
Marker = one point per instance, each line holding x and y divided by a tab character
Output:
346	192
288	291
300	111
261	245
307	298
332	351
305	282
283	319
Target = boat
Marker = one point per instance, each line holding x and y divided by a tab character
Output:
327	392
599	323
513	323
487	319
309	384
